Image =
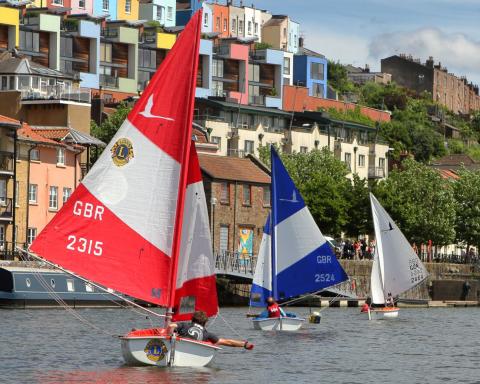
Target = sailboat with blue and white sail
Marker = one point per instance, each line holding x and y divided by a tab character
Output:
294	258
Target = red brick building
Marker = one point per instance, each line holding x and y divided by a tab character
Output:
238	200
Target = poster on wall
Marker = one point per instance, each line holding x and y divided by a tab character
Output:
245	244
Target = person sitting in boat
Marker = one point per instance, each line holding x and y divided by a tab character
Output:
196	330
274	309
389	302
366	305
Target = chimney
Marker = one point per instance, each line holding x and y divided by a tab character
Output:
429	62
367	69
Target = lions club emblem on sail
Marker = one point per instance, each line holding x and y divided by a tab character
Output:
155	350
122	152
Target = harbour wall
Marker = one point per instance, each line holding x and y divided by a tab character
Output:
445	282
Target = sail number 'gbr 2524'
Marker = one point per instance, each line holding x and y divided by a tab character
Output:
80	244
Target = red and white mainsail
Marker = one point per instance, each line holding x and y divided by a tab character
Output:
120	226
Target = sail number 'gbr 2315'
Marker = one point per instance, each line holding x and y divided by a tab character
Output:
80	244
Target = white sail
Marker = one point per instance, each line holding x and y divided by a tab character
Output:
398	266
376	283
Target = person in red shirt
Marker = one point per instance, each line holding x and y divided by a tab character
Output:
274	309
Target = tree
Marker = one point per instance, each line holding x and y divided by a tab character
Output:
359	217
467	224
320	178
338	79
110	126
421	202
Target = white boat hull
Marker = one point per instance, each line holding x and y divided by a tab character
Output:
166	351
278	324
383	313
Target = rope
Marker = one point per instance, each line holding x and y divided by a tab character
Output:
229	326
311	294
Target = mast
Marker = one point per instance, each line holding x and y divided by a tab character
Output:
183	175
272	226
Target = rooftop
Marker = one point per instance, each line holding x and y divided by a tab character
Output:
23	66
68	135
232	169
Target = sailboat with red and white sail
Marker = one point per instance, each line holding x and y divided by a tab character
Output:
138	222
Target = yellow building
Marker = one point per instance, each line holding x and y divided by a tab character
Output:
9	28
127	9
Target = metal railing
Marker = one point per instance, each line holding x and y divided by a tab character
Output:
109	81
57	92
257	100
6	208
235	263
8	250
109	33
374	172
236	153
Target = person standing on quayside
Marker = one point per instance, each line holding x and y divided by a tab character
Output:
274	309
196	330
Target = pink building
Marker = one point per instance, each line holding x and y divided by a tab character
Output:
54	172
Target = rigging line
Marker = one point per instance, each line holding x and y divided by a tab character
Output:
229	326
49	289
113	293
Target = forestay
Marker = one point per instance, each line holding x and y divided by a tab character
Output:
396	266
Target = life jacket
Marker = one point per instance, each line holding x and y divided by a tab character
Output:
274	310
364	308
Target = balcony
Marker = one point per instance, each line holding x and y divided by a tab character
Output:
376	172
6	209
108	81
109	33
236	153
256	100
56	92
221	50
6	163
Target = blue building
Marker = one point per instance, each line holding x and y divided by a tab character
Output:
185	10
310	70
105	8
163	11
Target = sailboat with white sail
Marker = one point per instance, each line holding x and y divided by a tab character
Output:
294	258
396	267
138	221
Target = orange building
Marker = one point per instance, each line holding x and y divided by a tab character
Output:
220	20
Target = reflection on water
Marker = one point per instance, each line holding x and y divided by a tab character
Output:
423	345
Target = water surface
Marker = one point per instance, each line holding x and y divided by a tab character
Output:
423	346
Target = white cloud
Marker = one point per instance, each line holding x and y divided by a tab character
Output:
460	54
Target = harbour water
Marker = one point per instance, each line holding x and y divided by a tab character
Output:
422	346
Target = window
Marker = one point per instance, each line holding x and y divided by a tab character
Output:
240	27
248	146
70	285
106	52
217	23
225	193
247	195
316	71
4	86
223	238
128	6
17	189
256	28
3	191
88	287
67	192
225	26
286	65
303	149
160	11
24	82
57	2
234	25
105	5
348	160
205	19
284	33
147	58
170	13
361	160
2	237
28	282
81	4
66	47
60	156
381	163
32	193
52	283
295	41
216	140
254	72
249	27
266	196
29	41
35	154
53	198
217	68
317	90
31	235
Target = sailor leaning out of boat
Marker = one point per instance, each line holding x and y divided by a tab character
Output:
196	330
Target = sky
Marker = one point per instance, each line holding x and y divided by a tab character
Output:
362	32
